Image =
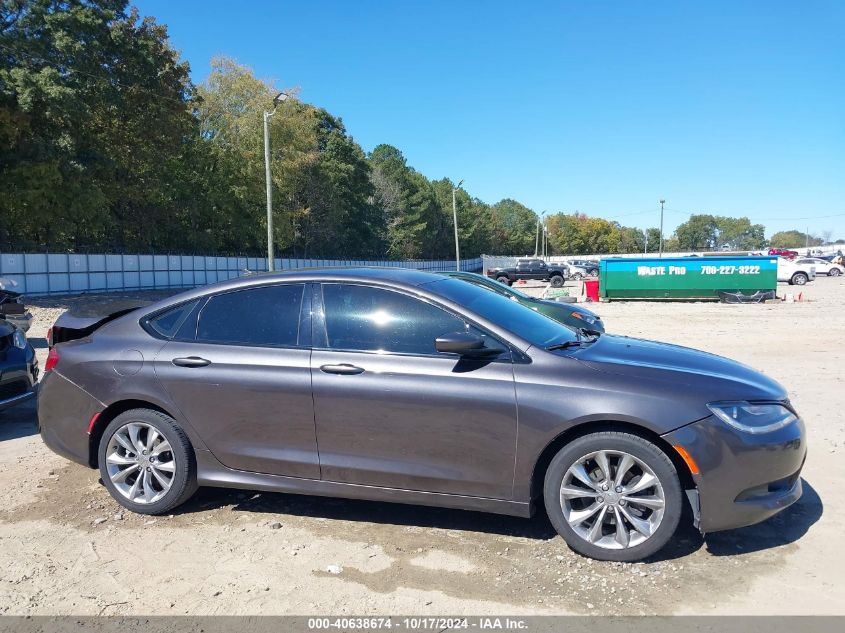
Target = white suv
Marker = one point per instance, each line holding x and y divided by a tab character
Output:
823	267
794	272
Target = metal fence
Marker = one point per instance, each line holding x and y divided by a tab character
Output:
73	273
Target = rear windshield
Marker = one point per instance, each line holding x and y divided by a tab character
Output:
512	316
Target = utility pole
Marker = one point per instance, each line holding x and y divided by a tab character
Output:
276	101
537	239
645	248
662	202
455	218
543	251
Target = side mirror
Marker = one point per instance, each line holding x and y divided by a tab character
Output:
463	343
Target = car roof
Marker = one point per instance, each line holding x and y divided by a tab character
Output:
390	276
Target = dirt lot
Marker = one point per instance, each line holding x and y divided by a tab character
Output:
66	547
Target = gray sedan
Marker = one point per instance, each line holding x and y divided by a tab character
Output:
410	387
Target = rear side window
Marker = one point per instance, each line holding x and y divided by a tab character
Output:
359	318
168	323
266	316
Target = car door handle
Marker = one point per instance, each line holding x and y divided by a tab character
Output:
191	361
344	369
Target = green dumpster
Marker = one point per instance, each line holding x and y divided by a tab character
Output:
685	277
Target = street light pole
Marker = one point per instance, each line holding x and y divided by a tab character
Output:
276	101
455	219
545	242
662	202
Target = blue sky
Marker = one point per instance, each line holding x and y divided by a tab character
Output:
733	108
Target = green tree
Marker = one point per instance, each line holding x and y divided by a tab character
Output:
407	203
95	121
698	233
793	239
579	234
652	240
739	233
513	228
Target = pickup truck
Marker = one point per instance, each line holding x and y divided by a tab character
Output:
531	269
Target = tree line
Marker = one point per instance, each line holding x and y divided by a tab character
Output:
107	144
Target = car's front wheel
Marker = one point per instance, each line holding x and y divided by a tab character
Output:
613	496
147	462
556	281
504	280
834	272
577	276
799	279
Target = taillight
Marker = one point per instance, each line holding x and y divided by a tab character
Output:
52	360
50	337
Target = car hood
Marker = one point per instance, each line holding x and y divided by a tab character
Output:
6	328
716	377
568	307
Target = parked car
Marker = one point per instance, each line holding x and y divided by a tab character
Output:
18	366
567	313
794	273
823	267
530	269
783	252
420	389
12	308
582	268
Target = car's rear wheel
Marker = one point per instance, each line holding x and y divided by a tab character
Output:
577	276
594	272
147	462
504	280
834	272
556	281
613	496
799	279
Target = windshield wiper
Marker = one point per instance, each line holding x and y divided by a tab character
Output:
565	345
585	336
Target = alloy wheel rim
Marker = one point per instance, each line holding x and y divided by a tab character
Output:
140	463
612	499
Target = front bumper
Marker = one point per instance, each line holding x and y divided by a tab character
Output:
18	377
743	478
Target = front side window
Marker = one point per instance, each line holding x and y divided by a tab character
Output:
266	316
360	318
512	316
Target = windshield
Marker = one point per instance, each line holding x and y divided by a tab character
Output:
495	286
514	317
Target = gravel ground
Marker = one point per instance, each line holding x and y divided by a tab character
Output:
66	547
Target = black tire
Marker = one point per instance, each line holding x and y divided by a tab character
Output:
556	281
799	279
577	276
594	272
834	272
504	280
184	483
643	450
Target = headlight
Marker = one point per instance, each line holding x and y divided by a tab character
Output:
19	339
584	317
753	418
